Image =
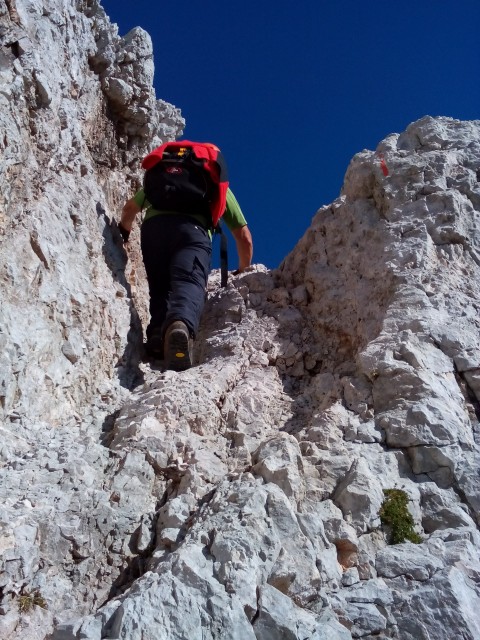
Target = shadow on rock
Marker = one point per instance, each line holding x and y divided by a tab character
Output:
115	256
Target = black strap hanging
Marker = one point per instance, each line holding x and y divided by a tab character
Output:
223	254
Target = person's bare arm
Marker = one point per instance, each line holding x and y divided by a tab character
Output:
243	239
129	212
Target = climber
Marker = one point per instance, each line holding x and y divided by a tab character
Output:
176	245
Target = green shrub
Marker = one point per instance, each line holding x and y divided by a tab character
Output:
394	513
28	600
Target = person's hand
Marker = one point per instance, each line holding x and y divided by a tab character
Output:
239	271
123	232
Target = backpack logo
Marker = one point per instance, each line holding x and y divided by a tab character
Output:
174	170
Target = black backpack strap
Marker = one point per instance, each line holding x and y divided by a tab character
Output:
223	254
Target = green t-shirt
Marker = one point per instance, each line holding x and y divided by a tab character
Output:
233	216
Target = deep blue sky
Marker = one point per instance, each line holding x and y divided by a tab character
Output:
290	91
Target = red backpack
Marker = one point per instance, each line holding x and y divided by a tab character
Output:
187	177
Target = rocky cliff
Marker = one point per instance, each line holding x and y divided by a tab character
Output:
244	498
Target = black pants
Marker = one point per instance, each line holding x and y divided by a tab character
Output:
176	251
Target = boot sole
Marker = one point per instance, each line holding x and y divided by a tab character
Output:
179	355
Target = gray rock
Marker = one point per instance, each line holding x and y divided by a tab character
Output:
407	559
240	498
443	605
279	618
360	497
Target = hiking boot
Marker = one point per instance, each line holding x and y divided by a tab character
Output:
154	346
178	347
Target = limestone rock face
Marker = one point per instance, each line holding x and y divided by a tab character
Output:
239	499
67	165
70	154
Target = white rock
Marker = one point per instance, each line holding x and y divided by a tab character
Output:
280	618
407	559
351	369
279	461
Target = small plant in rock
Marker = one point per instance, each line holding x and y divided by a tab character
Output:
26	601
394	513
